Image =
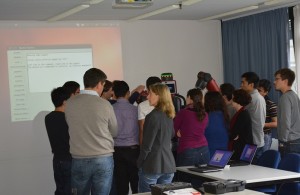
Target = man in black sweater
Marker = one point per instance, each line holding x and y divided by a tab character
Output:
57	130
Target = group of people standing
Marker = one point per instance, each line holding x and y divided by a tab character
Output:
96	143
231	118
101	145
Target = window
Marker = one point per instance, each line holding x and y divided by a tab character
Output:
292	63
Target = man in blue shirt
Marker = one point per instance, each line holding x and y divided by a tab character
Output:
126	142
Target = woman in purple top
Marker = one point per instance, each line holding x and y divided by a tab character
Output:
189	125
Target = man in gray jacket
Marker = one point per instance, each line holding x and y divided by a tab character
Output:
92	126
256	109
288	126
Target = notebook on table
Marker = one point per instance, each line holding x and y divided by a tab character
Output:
217	163
246	156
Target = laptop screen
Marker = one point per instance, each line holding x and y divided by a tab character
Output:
248	153
220	158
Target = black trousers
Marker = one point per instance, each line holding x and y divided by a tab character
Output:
62	176
125	170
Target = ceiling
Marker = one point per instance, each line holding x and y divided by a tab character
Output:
42	10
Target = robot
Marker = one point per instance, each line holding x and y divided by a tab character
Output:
205	80
178	100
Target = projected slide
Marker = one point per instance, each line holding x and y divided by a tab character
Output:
35	60
35	70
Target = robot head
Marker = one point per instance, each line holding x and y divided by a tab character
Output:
206	81
203	79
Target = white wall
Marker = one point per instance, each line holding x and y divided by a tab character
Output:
149	48
181	47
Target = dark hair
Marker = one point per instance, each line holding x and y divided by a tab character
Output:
197	97
213	101
92	77
152	80
120	88
108	84
59	95
241	97
265	84
227	89
251	77
286	73
71	86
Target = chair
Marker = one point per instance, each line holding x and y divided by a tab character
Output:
271	159
290	162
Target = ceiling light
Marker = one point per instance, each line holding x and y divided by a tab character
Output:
131	4
92	2
230	13
190	2
68	13
272	2
165	9
158	11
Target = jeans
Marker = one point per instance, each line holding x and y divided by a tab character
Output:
289	147
268	142
92	175
148	179
192	156
62	176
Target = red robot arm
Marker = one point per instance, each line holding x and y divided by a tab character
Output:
205	80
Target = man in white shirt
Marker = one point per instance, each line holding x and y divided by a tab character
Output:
144	107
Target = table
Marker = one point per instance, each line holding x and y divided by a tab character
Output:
244	192
253	175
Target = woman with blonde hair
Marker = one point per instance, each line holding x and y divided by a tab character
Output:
156	161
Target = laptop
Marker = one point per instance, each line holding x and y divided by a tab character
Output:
246	156
217	163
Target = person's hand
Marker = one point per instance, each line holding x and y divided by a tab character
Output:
178	133
139	89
